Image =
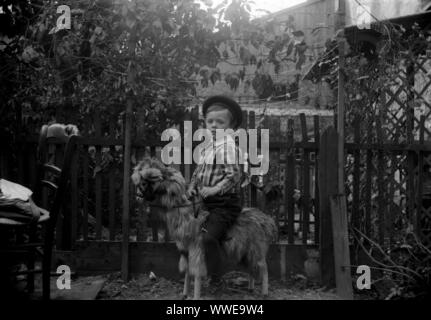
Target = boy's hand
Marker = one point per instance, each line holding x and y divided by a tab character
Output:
209	191
191	193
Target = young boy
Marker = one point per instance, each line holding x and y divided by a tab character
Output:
218	182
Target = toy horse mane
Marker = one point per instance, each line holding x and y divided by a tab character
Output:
168	184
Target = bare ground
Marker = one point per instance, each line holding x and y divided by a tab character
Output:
143	288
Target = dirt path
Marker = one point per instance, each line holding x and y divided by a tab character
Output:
142	288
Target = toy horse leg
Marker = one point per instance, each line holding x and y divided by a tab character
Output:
264	272
186	284
197	287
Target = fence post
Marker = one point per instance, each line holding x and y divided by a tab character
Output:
341	246
126	193
327	187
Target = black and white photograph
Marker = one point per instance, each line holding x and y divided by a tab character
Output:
239	151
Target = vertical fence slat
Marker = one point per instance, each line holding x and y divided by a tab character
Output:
85	168
283	166
165	226
391	208
85	176
66	223
368	190
306	181
316	179
32	169
132	192
410	192
141	227
290	182
154	224
368	181
281	161
125	218
275	124
58	160
416	223
167	235
153	212
356	175
246	194
252	125
244	124
195	122
335	120
111	183
98	178
185	148
380	182
21	156
181	166
74	195
44	158
4	166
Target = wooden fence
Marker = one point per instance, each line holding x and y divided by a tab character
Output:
380	195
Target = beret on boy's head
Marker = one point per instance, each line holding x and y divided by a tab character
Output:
229	103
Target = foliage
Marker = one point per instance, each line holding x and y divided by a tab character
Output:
144	50
373	67
404	268
154	52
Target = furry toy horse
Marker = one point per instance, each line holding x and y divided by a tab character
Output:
246	242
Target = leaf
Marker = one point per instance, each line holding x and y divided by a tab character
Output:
215	76
221	5
289	49
259	63
124	10
242	74
204	82
276	67
158	24
130	22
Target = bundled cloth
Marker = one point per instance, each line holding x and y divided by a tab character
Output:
16	203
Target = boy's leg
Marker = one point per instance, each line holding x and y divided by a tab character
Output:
223	213
214	230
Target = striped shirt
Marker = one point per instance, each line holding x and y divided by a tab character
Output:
219	166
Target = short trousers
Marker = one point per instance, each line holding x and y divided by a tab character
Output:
224	211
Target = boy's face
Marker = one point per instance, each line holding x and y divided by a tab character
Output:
218	120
